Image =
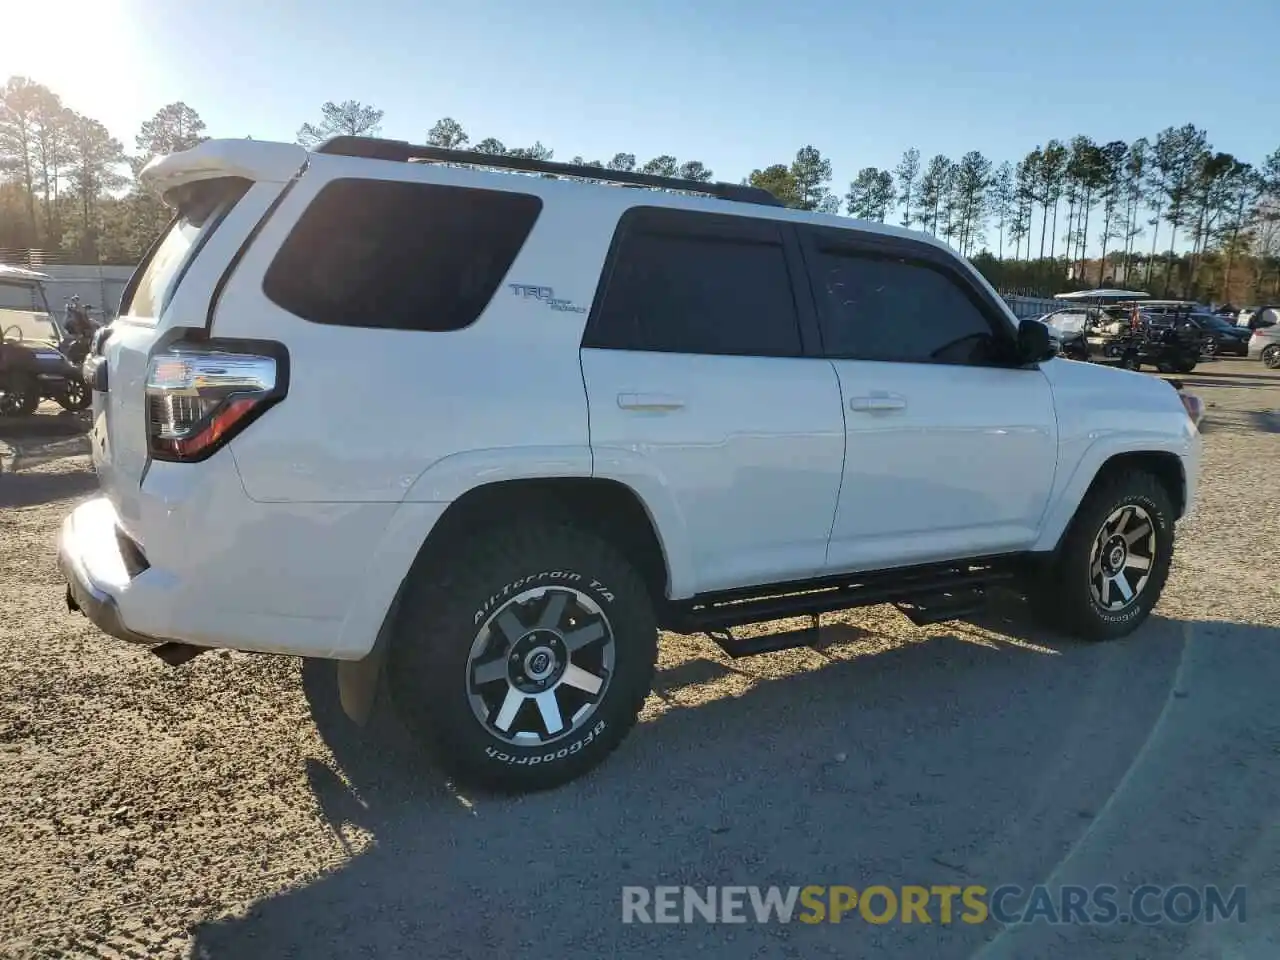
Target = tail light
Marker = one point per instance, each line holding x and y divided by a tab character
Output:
1194	407
199	396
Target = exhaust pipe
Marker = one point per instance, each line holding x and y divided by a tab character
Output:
176	654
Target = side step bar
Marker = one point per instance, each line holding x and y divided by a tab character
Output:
931	586
925	595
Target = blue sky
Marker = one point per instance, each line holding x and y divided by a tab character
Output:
734	84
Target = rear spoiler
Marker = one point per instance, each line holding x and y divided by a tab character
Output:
255	160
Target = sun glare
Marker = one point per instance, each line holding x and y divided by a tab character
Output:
80	49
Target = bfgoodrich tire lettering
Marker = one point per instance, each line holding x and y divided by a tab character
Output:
1108	539
468	641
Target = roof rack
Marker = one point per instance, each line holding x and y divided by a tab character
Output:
375	148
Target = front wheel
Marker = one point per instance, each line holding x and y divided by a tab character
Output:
1113	562
524	661
75	395
1271	357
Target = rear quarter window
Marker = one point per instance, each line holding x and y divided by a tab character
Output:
401	256
201	206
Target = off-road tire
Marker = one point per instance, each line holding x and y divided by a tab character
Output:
444	608
1061	594
75	397
21	398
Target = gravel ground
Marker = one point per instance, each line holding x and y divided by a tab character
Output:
156	812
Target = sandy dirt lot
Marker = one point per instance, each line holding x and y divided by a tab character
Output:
147	811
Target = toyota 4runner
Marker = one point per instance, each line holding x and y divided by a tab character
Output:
477	427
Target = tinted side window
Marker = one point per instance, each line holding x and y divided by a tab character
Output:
403	256
891	309
709	293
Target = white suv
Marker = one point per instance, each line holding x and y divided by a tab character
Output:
482	425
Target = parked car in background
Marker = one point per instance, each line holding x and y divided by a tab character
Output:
1220	337
1264	345
1264	316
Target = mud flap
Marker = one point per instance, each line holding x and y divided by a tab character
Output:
360	680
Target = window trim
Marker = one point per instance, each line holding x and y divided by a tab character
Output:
815	241
683	223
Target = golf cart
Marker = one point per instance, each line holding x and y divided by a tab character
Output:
1127	328
32	364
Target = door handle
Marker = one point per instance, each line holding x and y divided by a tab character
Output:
876	402
649	401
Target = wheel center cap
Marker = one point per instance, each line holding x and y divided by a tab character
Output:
539	663
1117	557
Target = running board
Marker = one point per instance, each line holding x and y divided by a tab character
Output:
738	647
933	594
943	607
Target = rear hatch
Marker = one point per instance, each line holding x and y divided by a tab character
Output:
219	191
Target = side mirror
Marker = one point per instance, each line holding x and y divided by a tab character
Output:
1034	343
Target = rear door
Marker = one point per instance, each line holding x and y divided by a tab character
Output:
170	293
704	387
952	445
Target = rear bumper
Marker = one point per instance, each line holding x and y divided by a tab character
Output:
88	539
222	571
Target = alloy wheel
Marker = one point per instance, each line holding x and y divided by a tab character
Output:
540	665
1122	558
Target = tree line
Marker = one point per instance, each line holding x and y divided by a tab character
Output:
1069	214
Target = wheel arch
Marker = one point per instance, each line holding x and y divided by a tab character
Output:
1104	462
612	508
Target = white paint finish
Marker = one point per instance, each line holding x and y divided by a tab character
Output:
370	411
751	454
134	340
943	462
450	477
280	578
259	160
384	567
297	537
1104	412
643	475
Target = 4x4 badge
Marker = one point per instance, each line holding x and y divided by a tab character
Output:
545	295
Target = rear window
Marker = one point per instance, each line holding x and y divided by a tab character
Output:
400	256
200	208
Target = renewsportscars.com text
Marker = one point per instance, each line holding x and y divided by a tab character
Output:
937	904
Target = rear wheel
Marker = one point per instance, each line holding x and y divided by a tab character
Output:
1113	562
1271	357
524	661
19	398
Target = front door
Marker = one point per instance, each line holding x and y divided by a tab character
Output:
952	445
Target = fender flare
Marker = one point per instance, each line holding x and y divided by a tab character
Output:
1066	499
451	477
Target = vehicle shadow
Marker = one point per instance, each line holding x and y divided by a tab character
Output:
979	752
45	426
33	489
52	438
